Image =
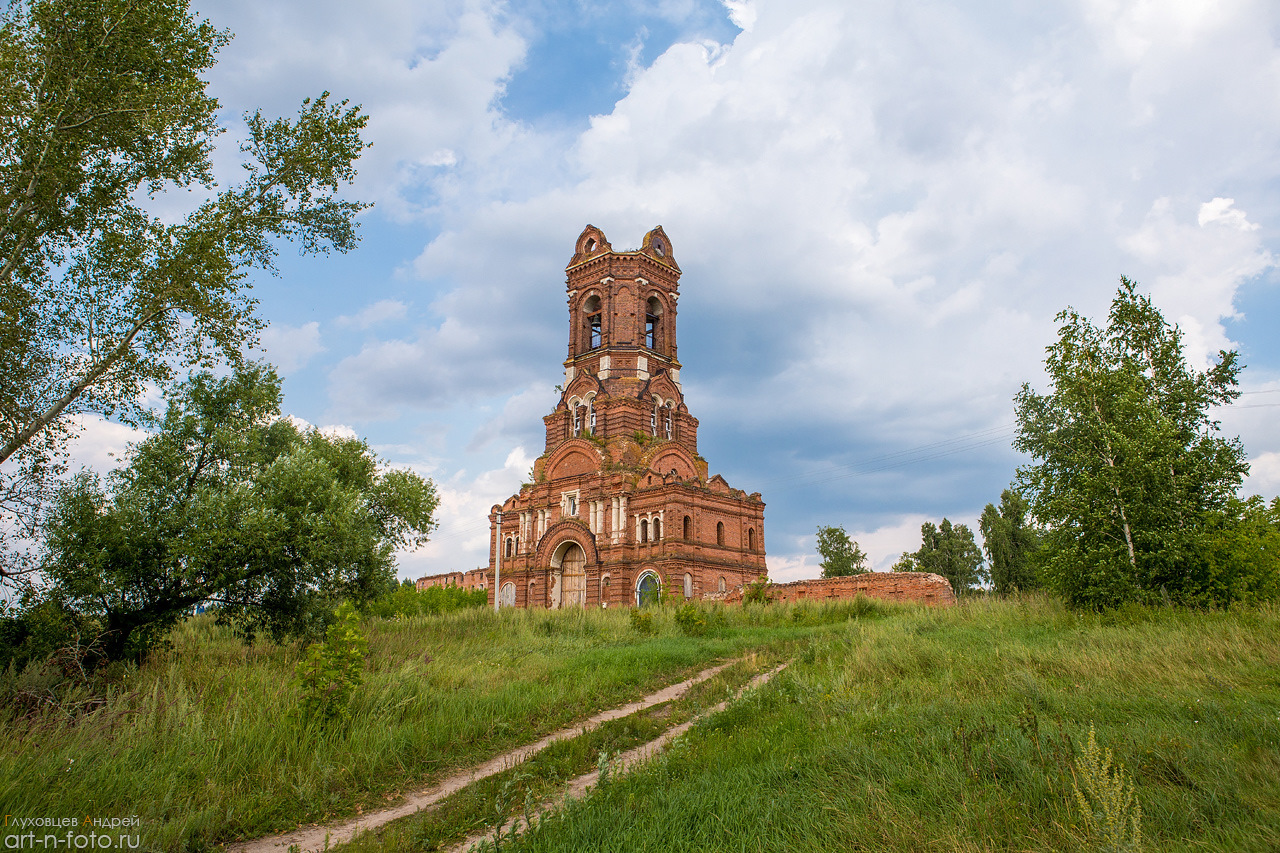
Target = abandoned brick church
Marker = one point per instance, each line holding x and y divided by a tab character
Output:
621	501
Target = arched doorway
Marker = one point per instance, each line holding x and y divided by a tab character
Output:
508	597
573	572
647	588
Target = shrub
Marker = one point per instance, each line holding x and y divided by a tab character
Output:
331	671
691	620
758	592
642	620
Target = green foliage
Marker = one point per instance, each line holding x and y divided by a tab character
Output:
642	620
948	550
691	620
905	563
331	671
1238	555
1129	466
1011	544
232	506
841	556
1110	814
104	102
407	600
758	592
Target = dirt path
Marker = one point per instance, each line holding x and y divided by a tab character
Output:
318	838
577	788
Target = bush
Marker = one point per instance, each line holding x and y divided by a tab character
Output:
758	592
691	620
331	671
642	620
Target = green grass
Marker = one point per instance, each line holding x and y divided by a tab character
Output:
960	729
201	743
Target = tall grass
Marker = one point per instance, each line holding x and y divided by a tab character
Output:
965	729
203	745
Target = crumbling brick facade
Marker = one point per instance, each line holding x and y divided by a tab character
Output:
474	579
920	587
621	500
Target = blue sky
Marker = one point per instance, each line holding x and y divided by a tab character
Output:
878	207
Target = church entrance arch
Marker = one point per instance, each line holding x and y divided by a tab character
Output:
569	576
647	589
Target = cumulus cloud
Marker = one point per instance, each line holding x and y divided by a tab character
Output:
289	348
461	542
101	444
375	314
878	210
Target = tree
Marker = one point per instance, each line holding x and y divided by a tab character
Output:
1128	462
949	550
1011	544
230	505
101	104
841	556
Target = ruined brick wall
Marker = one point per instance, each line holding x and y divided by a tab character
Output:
474	579
921	587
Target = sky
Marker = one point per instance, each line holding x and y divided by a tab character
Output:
878	207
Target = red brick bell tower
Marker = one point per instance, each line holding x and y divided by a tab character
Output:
621	500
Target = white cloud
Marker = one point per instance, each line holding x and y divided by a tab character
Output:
289	348
1223	211
742	12
1264	475
878	209
1195	270
375	314
461	542
101	444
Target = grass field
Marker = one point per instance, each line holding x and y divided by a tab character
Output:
202	744
894	728
962	729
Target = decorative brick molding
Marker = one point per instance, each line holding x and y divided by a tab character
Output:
922	587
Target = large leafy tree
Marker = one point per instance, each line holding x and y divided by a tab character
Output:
1011	544
949	550
229	504
840	555
1128	462
101	104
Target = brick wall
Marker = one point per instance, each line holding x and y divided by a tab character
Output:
922	587
474	579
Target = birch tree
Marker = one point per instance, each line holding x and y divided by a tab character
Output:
1128	461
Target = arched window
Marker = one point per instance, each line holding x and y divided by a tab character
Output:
657	529
509	547
653	421
644	530
688	585
591	310
652	317
751	538
530	599
719	532
647	589
577	420
667	414
720	585
593	420
688	528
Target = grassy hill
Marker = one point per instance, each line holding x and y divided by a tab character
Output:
894	728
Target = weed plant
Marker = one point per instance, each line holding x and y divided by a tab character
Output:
200	743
